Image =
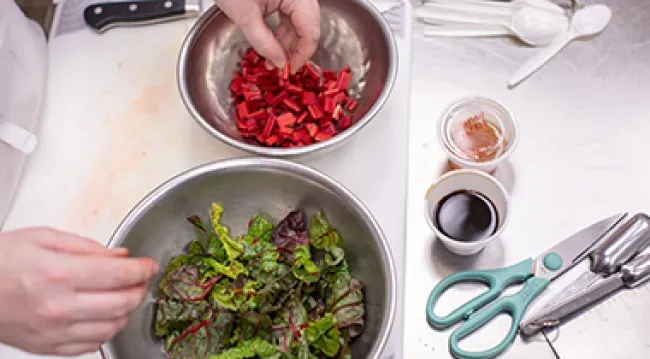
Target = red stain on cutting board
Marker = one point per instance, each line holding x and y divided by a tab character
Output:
123	154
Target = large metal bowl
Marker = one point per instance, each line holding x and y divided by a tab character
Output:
353	33
157	228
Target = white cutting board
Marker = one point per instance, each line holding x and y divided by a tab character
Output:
113	110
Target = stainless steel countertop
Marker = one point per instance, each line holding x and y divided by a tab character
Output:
582	157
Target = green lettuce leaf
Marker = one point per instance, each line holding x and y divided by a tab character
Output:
303	267
255	325
231	270
252	348
323	236
260	228
323	335
233	248
239	299
212	244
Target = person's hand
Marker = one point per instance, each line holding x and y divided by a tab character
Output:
61	294
295	39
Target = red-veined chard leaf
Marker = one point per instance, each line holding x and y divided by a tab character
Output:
202	338
291	230
303	267
187	283
252	348
323	335
233	248
323	236
175	315
213	245
345	301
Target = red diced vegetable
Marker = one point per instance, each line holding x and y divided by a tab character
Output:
308	98
251	56
279	98
328	127
280	109
329	106
345	122
268	126
291	88
340	97
259	114
287	119
316	111
352	104
312	129
271	140
292	105
242	110
251	124
312	70
338	112
322	136
330	85
344	80
236	83
331	93
302	117
329	75
300	136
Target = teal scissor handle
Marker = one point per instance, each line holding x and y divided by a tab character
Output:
496	279
515	305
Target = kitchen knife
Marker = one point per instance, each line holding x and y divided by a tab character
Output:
617	248
631	275
106	15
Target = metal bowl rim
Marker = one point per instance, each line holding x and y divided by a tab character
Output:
106	350
181	77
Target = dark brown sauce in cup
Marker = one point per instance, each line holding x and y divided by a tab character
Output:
466	216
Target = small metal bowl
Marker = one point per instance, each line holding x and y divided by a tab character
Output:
157	228
353	33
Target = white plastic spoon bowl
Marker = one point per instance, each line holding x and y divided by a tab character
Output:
533	26
589	21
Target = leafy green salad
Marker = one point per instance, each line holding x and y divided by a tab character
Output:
277	292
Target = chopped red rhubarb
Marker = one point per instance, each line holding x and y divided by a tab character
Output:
279	108
292	105
352	104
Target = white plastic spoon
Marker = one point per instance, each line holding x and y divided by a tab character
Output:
588	21
464	31
511	5
533	26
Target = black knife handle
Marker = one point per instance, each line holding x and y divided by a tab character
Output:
103	16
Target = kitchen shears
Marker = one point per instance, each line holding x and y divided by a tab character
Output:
536	274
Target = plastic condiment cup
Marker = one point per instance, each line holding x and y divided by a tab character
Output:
496	113
467	180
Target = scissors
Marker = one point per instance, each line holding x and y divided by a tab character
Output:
535	273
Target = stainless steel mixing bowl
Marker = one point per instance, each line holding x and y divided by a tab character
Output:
157	228
353	33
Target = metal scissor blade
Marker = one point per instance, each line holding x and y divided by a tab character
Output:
574	248
553	315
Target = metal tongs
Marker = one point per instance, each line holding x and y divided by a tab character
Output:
619	260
